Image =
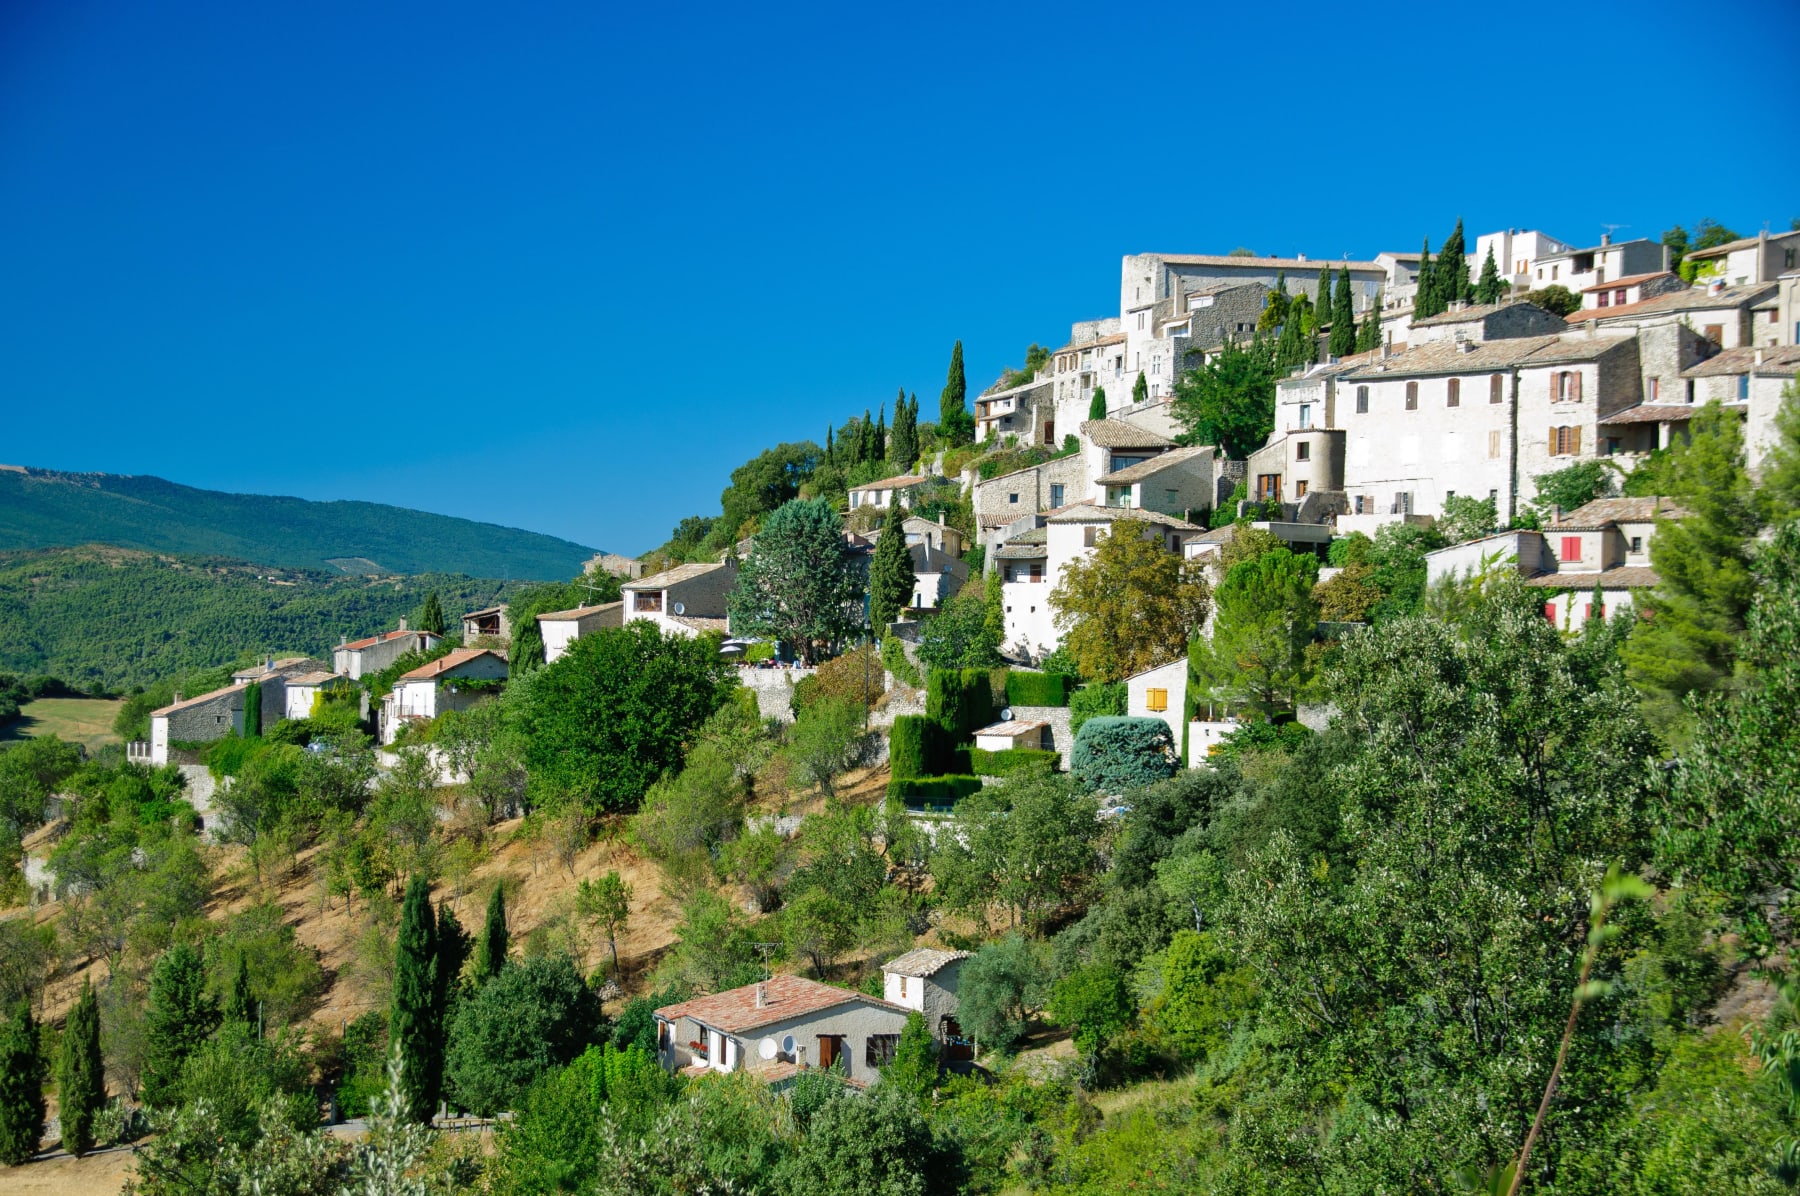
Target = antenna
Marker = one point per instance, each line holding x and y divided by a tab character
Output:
1613	228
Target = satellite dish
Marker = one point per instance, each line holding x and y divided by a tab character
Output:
681	608
787	1044
1006	715
766	1048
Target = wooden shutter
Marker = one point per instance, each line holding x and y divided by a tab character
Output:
1555	451
1550	611
1575	433
1575	384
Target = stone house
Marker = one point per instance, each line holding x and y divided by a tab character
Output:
1026	411
938	536
686	600
301	692
1486	322
353	658
1721	314
778	1027
1093	359
560	628
1623	292
199	719
615	564
1759	259
1578	269
1003	500
1159	692
1751	381
489	623
431	689
886	493
925	979
1180	482
270	668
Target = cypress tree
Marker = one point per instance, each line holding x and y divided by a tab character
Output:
453	949
865	440
830	446
431	615
905	440
1287	345
881	436
492	956
21	1087
1490	289
240	1006
179	1016
1369	335
1097	404
1343	317
253	710
81	1074
1451	275
413	1026
955	424
1140	390
1425	299
891	576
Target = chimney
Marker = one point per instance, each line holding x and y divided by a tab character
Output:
177	701
762	996
1759	355
1762	252
1665	267
342	639
1606	238
1592	327
1299	257
403	624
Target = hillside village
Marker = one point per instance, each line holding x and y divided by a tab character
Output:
1073	764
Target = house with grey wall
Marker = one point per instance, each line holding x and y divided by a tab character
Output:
687	600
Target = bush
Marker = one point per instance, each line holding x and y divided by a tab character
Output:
1038	689
530	1018
959	701
1115	755
894	660
1000	764
911	745
1263	736
943	789
1095	701
999	989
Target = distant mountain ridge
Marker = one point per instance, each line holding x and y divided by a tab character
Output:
42	508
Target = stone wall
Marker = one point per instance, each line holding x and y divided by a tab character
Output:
774	690
1062	735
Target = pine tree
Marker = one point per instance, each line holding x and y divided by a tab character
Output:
240	1006
492	952
1343	317
1140	390
431	614
179	1015
891	576
413	1027
1490	289
955	424
1369	335
21	1087
1425	298
81	1074
1097	404
1451	276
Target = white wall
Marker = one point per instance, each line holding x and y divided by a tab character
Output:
1171	677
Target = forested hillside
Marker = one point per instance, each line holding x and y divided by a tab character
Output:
45	509
118	617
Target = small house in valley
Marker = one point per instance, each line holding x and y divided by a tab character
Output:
490	622
560	628
453	682
778	1027
925	979
687	600
200	719
353	658
886	493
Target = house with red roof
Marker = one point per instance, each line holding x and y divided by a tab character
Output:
353	658
452	682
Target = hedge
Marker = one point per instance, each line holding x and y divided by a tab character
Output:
909	747
1000	764
960	701
1038	689
941	789
1115	755
1094	701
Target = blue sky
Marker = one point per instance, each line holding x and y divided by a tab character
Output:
562	266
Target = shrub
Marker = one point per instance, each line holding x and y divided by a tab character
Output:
910	745
1038	689
1095	701
1000	764
960	701
894	660
942	789
1114	755
999	989
532	1017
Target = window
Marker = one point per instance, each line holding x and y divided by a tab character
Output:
1565	442
1788	258
903	986
880	1049
1090	536
1637	544
1587	611
1655	389
1743	388
1306	415
1170	498
1362	505
1453	393
1362	400
1550	611
1012	498
1497	389
1494	445
1303	451
1715	333
1156	699
649	601
1299	489
1412	396
1140	321
1056	494
1605	300
1571	548
1619	297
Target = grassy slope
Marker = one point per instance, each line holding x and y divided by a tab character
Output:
118	617
77	720
41	509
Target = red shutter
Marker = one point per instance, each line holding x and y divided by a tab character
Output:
1571	548
1550	611
1587	612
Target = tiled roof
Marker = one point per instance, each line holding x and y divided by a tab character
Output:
1626	577
1034	535
486	610
1116	433
1691	299
1733	246
735	1010
443	664
1622	510
899	482
1021	552
1012	729
319	677
1091	513
1218	535
1156	668
384	637
261	669
1659	413
1479	357
923	961
1630	280
669	577
1783	359
196	701
1574	348
702	622
1475	311
1265	263
580	612
1136	473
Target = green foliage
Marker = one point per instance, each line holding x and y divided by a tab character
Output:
760	485
533	1016
1204	992
1708	234
1266	618
606	902
961	634
1005	763
21	1086
612	714
955	424
1038	689
1490	289
1115	755
1368	336
715	949
903	446
799	584
891	576
998	991
1343	316
1575	486
914	1070
895	661
1130	605
81	1074
826	741
1092	1001
490	956
911	747
960	702
1468	518
1097	701
1026	846
46	509
1556	299
934	791
415	1019
112	618
1140	389
30	771
1230	401
178	1018
1397	567
877	1143
1097	404
526	650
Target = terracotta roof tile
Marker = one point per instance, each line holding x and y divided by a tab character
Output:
1132	474
1626	577
923	961
199	700
384	637
735	1010
581	612
1116	433
443	664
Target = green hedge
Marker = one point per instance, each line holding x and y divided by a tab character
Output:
934	790
1000	764
1116	755
909	747
1096	701
959	701
1038	689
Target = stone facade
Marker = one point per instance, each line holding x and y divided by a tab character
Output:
200	719
999	501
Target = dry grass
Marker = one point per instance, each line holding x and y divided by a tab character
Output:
86	721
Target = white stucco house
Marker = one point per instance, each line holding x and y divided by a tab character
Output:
429	690
561	628
776	1028
1160	692
886	492
687	600
925	979
303	691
